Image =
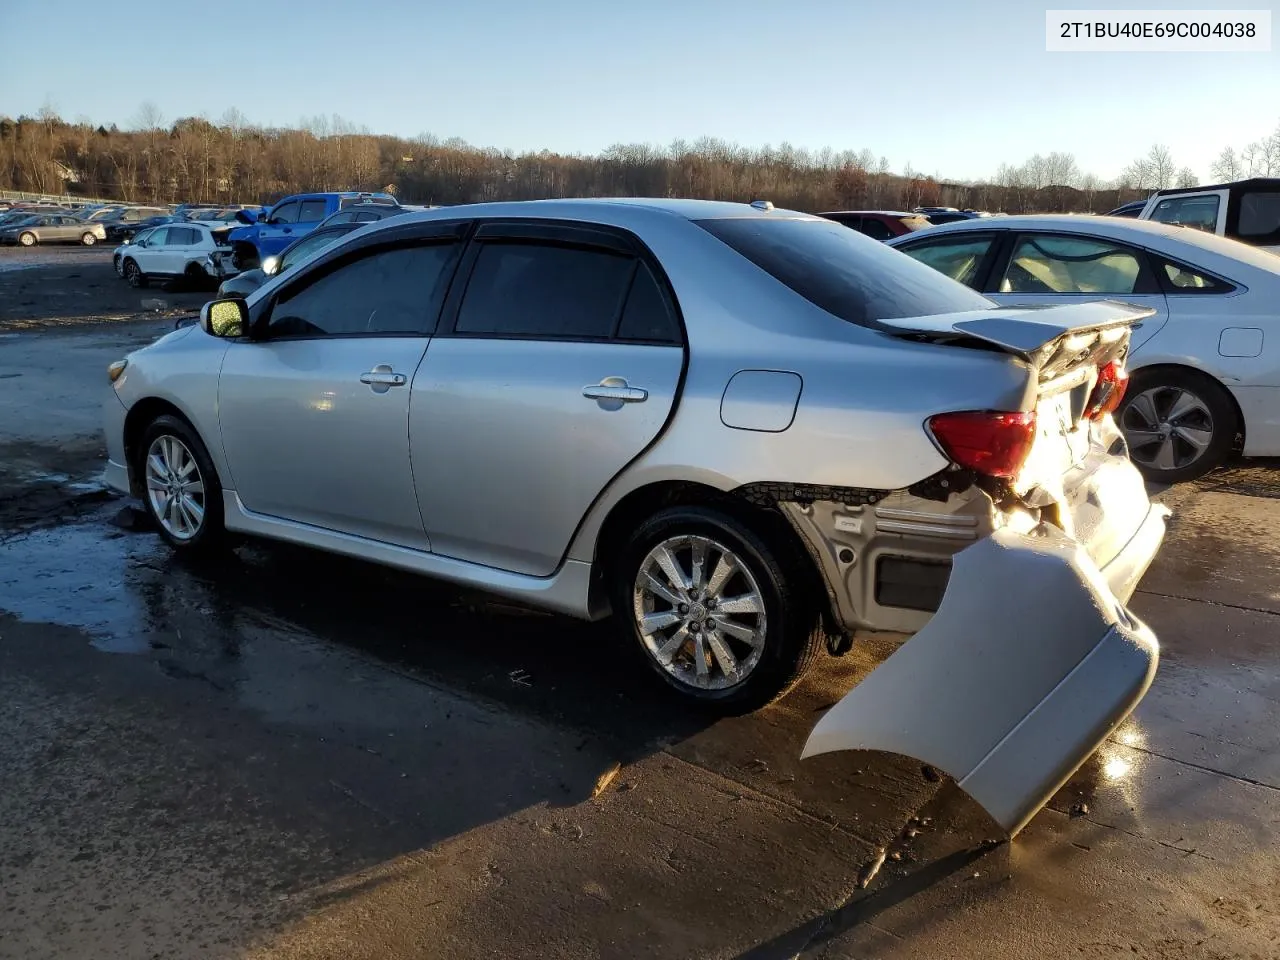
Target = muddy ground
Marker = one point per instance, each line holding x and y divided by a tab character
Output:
291	755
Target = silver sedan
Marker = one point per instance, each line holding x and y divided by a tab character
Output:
746	433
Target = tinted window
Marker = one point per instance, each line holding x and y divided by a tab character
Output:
287	213
183	236
1259	214
843	272
160	237
647	315
312	210
304	248
1179	278
364	216
946	217
960	258
342	218
544	290
875	229
385	291
1200	211
1043	264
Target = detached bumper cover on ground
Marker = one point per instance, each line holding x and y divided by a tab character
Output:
1030	662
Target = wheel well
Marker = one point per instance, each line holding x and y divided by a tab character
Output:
140	415
767	523
1157	368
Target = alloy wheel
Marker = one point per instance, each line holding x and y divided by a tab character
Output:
700	612
1167	427
175	488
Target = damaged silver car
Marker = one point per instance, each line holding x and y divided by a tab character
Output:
746	433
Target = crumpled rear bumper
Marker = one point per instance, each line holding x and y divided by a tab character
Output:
1029	663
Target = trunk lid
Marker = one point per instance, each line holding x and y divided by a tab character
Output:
1072	458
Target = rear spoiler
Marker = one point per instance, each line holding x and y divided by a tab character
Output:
1039	335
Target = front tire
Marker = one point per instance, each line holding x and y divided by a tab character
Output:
27	239
180	486
714	611
1179	424
133	273
88	239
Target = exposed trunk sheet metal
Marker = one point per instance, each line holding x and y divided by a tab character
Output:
1029	663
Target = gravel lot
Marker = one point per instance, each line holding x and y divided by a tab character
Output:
293	755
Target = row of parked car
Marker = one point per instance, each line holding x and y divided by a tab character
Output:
240	249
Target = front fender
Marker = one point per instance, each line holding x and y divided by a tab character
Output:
1028	665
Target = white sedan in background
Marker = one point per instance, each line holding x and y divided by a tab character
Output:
170	252
1205	369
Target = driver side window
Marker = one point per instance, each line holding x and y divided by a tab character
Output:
286	213
386	292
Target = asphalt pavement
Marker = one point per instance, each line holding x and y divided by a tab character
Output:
293	755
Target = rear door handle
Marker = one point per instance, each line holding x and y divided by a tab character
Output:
382	378
616	389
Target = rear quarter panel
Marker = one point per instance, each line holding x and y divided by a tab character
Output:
863	401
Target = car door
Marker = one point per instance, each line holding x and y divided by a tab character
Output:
557	363
310	215
277	233
1041	267
181	246
314	410
150	253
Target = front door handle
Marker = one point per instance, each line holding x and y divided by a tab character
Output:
382	378
615	389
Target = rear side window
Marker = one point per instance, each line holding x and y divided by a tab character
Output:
1259	214
1047	264
522	289
647	315
342	218
875	229
851	276
312	210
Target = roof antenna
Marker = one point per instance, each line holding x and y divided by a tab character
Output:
764	205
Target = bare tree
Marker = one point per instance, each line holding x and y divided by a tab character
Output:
1160	163
148	117
1186	178
1227	167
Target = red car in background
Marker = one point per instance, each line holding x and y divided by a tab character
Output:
879	224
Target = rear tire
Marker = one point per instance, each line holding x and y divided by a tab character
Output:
1179	424
88	239
758	617
181	491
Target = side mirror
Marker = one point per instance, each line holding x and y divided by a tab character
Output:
227	318
271	266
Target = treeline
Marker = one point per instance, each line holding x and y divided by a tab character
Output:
194	159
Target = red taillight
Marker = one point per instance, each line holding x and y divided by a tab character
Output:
986	442
1113	379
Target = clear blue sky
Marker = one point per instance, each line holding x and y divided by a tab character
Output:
953	88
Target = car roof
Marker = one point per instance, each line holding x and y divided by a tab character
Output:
1272	183
1184	243
605	209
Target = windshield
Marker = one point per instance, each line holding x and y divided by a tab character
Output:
845	273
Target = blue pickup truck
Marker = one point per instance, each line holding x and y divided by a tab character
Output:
269	231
